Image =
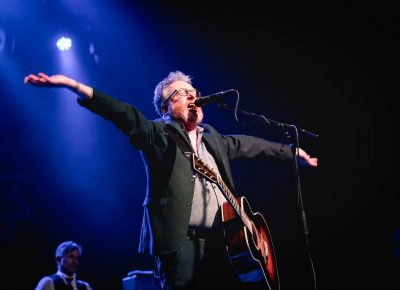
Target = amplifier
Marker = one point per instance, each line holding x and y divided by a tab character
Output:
140	280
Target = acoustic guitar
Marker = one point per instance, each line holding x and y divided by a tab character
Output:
247	235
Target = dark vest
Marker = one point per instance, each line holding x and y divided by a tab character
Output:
59	283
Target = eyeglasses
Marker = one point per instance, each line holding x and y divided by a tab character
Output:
183	93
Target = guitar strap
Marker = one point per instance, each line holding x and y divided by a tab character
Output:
185	148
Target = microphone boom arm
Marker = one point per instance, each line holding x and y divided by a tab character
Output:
264	119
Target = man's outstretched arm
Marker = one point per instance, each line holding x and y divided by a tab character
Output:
42	80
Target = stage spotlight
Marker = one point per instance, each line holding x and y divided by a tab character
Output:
64	43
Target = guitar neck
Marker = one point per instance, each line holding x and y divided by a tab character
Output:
206	171
233	202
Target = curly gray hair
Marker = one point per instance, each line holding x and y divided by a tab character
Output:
172	77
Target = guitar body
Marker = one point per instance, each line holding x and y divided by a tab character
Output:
250	252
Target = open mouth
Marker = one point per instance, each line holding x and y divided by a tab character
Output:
192	107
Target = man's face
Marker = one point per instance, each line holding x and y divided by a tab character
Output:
182	108
69	263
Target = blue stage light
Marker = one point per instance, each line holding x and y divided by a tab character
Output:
64	43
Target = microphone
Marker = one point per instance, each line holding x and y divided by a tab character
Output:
201	101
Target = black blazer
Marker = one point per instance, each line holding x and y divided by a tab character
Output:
170	182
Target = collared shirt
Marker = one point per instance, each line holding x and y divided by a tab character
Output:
207	197
68	279
46	283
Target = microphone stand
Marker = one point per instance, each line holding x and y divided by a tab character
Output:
286	127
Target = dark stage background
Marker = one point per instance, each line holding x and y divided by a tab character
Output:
66	174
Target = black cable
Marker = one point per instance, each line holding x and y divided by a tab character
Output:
300	201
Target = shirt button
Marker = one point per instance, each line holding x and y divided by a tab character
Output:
188	204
